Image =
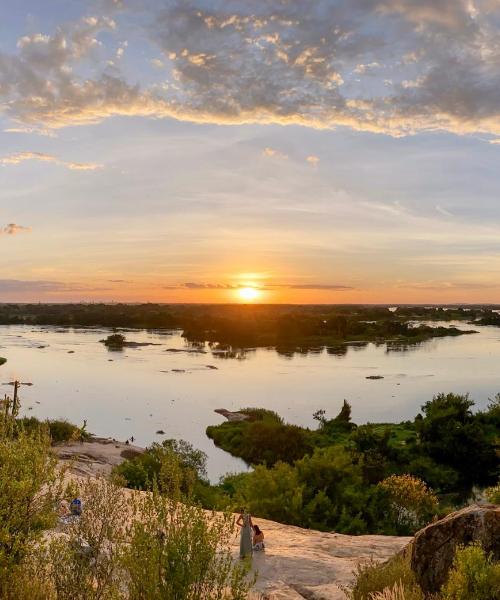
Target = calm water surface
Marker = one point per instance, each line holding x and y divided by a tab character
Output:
142	390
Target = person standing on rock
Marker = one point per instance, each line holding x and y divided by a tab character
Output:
245	522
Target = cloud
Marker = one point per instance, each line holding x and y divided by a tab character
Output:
35	286
265	286
447	285
202	286
443	211
320	64
14	229
272	153
158	63
317	286
33	130
313	160
20	157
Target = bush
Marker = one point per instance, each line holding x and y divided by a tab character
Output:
473	576
373	579
115	341
179	552
493	494
27	494
412	503
141	471
85	563
59	430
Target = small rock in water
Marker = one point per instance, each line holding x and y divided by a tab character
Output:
160	432
212	367
71	351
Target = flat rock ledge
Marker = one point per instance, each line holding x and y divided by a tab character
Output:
95	457
302	563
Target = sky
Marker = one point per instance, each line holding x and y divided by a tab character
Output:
324	151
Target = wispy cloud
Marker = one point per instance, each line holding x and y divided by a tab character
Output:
447	285
313	160
32	130
20	157
264	286
443	211
202	286
42	286
273	153
14	229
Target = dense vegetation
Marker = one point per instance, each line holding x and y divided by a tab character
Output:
287	328
336	477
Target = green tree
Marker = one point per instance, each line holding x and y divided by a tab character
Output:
452	435
275	493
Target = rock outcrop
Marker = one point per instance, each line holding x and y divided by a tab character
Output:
433	548
231	416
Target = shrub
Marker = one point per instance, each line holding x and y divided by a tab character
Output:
27	493
141	471
60	430
473	576
412	503
179	552
139	547
115	341
493	494
85	563
397	592
373	579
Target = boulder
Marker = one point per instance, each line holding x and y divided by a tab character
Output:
433	548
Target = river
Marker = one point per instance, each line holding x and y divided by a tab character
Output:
142	390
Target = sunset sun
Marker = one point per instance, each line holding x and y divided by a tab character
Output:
248	294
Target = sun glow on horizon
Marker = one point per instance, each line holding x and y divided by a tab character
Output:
248	294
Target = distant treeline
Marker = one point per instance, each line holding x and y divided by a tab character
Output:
252	325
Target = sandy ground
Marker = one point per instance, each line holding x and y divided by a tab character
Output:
296	564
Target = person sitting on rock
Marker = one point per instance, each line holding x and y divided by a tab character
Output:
258	539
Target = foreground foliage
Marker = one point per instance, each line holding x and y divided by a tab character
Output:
160	545
392	580
473	576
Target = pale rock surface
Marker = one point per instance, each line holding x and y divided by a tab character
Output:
302	563
95	457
